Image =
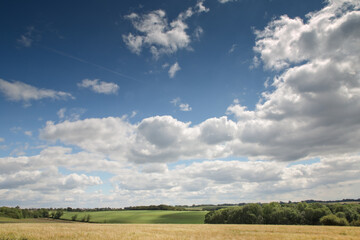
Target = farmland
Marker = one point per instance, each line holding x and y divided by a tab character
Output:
140	216
82	231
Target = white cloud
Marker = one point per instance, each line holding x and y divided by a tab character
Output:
311	113
27	39
61	113
99	86
159	36
185	107
154	139
200	7
19	91
317	89
2	140
174	69
217	130
226	1
175	101
28	133
133	114
234	181
198	32
233	48
73	114
287	41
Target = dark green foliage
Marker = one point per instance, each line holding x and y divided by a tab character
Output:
248	214
74	217
23	213
333	220
154	207
348	211
218	216
11	212
275	213
85	218
355	223
288	213
314	212
58	214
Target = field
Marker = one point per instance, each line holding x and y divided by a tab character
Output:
82	231
141	216
25	220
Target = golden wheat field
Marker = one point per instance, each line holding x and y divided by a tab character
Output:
82	231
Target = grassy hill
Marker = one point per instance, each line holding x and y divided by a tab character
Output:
140	216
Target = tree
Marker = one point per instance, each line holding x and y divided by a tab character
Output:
73	218
58	214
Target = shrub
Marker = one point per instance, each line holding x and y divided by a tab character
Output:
355	223
73	218
58	214
334	220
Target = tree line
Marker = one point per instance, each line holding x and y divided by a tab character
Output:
301	213
19	213
156	207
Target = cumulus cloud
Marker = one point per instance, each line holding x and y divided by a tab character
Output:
316	91
184	107
157	34
99	86
19	91
219	181
154	139
310	113
174	69
212	181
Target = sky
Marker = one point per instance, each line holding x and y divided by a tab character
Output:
123	103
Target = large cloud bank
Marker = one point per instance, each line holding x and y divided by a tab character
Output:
311	111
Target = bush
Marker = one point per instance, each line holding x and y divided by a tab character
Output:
58	214
355	223
73	218
334	220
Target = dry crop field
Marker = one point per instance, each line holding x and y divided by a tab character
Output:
82	231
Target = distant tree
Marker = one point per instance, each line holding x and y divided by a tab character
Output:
58	214
314	212
88	217
74	217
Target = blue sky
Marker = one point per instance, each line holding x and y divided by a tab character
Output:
122	103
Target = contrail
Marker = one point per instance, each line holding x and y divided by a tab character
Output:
90	63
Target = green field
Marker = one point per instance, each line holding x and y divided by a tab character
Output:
140	216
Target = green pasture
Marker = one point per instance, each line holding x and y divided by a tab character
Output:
140	216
